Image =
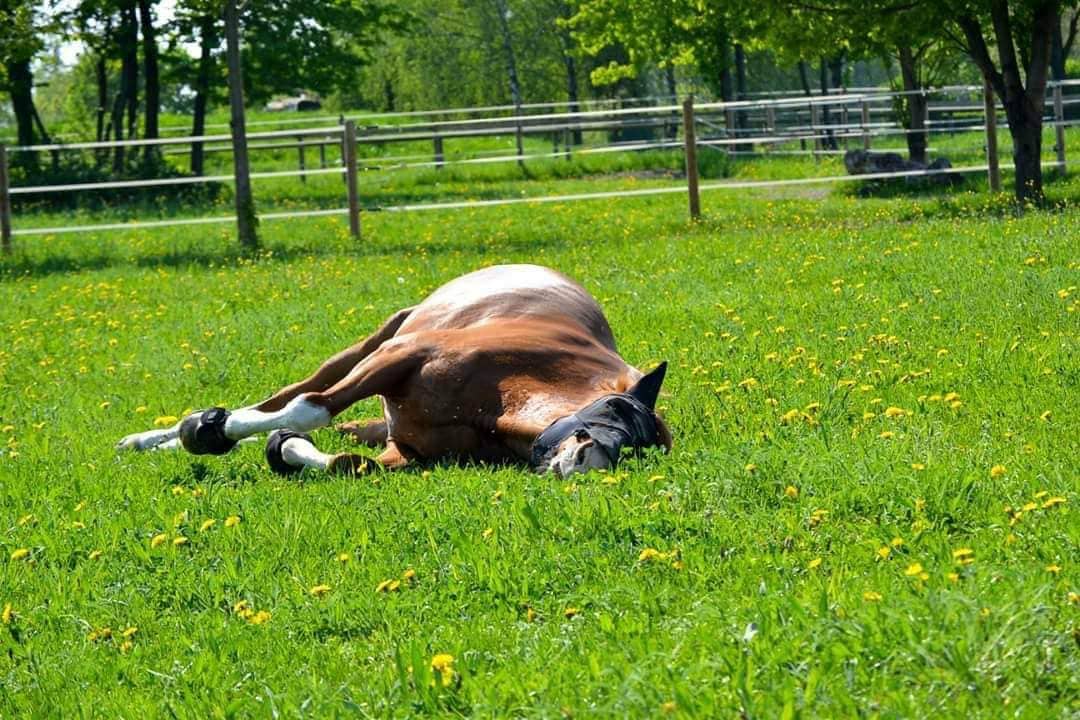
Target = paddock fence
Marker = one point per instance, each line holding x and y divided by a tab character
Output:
816	126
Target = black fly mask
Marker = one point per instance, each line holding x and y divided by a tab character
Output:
614	422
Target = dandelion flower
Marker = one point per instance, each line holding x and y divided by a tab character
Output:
884	551
259	618
964	556
814	564
571	612
443	665
914	569
344	557
179	540
129	632
650	554
791	491
895	412
20	554
997	471
1055	568
7	615
165	421
487	533
409	575
158	540
1051	502
207	524
94	554
319	590
871	596
388	586
232	521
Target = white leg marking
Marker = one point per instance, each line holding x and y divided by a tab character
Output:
300	415
150	439
297	451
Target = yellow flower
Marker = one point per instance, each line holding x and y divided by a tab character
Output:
650	554
790	416
158	539
914	569
1051	502
530	615
207	524
240	606
816	562
884	551
488	532
1055	569
232	521
895	412
179	540
1045	417
964	556
443	665
1074	599
871	596
409	575
887	435
258	618
94	554
344	557
954	577
20	554
668	707
750	468
997	471
388	586
129	632
918	466
7	615
571	612
319	590
165	421
656	478
897	542
791	491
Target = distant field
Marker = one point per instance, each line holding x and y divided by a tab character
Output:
870	508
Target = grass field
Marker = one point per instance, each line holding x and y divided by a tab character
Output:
870	508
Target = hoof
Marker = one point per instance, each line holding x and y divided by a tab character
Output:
348	464
203	433
273	451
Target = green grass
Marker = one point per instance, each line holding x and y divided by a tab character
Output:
792	325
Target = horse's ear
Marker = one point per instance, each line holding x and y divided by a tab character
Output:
647	389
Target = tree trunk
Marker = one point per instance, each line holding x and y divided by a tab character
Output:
673	96
828	142
727	89
152	78
21	89
502	10
804	78
207	42
1023	105
246	220
129	66
571	81
388	94
1057	52
102	79
915	104
740	94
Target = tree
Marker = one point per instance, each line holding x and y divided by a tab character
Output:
1022	37
21	31
246	220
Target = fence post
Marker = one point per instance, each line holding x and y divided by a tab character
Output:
990	120
865	125
690	143
439	156
844	124
729	130
300	159
322	153
1059	127
5	202
814	109
566	143
350	178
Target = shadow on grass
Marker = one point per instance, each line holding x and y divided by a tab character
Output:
74	258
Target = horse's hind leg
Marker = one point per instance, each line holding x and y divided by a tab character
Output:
328	374
366	432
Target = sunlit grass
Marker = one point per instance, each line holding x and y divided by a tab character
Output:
870	507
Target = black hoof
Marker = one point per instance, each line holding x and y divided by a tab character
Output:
204	433
273	451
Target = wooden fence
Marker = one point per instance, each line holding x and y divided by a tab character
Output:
759	125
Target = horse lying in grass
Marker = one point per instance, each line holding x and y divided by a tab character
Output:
513	363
